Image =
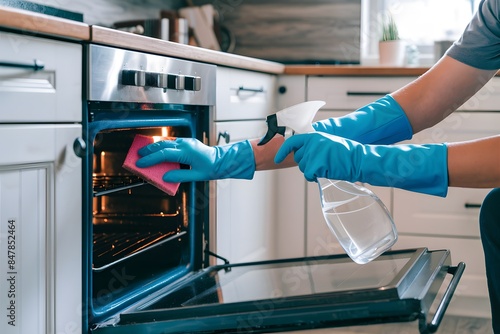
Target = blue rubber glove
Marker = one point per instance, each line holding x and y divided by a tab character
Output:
207	162
380	122
419	168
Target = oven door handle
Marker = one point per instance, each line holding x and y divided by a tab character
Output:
445	301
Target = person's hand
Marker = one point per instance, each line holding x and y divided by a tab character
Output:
420	168
322	155
206	162
380	122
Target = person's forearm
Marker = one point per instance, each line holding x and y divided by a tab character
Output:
440	91
264	155
474	164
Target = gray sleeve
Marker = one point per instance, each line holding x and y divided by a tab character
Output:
479	45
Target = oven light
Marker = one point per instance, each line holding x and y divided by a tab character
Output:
164	132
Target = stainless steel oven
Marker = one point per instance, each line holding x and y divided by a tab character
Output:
137	238
146	254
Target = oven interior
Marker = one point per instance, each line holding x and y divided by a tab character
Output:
140	237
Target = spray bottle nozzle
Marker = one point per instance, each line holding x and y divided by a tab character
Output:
294	119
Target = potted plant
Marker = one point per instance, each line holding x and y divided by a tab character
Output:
391	47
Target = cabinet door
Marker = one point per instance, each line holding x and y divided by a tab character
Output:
40	228
244	212
25	197
291	186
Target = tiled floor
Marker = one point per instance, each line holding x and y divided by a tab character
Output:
449	325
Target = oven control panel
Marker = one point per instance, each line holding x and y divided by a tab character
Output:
130	76
160	80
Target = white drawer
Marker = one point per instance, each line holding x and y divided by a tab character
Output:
51	94
351	93
455	215
244	95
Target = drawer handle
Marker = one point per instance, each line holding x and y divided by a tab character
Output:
254	90
349	93
36	66
225	135
472	205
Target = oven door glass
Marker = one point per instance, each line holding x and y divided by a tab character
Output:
296	294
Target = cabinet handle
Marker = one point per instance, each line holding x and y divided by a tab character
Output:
253	90
225	135
472	205
349	93
36	66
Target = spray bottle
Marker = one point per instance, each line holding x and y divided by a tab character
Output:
354	214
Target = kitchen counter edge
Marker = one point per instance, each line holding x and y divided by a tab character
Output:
353	70
116	38
41	24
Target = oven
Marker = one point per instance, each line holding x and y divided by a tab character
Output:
136	237
147	261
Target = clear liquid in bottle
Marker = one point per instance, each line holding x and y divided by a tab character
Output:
358	218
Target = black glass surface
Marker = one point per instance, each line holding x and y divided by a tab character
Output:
227	285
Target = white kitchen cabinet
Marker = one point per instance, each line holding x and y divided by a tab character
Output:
290	183
451	222
40	185
40	226
243	226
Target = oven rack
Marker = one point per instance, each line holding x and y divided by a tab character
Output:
112	248
106	184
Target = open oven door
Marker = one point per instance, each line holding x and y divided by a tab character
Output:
297	294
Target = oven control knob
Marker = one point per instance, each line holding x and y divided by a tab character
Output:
162	80
158	80
192	83
175	81
134	78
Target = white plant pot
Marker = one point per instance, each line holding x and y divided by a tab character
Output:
392	53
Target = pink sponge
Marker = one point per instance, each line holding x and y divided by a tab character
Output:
152	174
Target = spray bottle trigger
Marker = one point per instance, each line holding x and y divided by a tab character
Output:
272	129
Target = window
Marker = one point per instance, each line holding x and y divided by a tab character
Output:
420	23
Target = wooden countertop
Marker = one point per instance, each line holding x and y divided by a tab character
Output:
353	70
35	23
111	37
